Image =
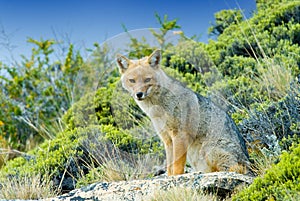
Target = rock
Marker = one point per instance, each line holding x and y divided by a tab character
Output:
222	183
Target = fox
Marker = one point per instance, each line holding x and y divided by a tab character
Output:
192	128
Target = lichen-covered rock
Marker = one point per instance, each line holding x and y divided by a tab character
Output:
221	183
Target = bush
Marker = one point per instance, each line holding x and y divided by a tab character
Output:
91	125
188	56
35	95
237	66
281	182
259	36
55	159
280	119
234	95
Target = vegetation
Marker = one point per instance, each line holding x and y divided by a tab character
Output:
181	193
28	187
281	182
68	123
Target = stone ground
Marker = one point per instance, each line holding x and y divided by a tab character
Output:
220	183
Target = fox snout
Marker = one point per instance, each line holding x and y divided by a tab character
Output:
140	95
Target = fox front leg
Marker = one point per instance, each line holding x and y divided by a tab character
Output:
169	155
179	154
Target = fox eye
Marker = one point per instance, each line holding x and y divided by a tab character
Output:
132	80
147	80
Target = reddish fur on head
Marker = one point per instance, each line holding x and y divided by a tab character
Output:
139	77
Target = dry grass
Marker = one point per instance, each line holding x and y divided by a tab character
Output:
275	79
262	162
112	164
182	194
27	187
139	167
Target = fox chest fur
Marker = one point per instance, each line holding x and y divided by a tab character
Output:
173	107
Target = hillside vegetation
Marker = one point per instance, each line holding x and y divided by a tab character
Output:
67	123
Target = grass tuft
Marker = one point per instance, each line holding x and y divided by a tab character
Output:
275	79
182	194
27	187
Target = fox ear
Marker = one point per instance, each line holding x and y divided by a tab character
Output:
154	59
123	63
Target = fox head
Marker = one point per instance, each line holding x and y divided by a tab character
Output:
140	77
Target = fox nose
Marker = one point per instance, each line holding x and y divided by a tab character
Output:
139	95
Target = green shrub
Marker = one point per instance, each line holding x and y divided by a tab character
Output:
188	56
93	108
65	158
234	95
268	119
93	122
224	19
281	182
259	36
35	94
237	66
55	159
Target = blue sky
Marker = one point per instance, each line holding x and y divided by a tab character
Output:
87	21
